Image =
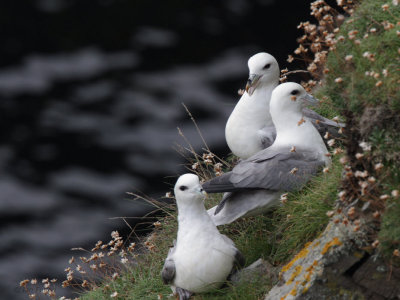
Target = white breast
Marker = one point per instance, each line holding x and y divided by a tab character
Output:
203	261
303	136
249	116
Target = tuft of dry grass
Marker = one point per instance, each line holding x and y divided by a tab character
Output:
206	165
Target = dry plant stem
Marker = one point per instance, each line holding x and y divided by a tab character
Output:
391	14
181	150
201	136
202	163
126	223
203	173
159	205
197	128
296	71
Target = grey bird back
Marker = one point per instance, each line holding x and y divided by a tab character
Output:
272	169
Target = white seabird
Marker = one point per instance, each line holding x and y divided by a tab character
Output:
249	128
202	259
255	184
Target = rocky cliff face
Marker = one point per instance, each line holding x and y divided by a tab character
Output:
335	266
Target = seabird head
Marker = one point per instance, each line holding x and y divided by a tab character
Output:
263	69
290	97
188	188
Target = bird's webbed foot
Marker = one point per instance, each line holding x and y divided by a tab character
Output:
183	294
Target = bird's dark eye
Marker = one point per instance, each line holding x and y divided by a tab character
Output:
183	187
294	92
267	66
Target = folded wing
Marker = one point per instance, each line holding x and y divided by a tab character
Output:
271	169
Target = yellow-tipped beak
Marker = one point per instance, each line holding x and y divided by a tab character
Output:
252	83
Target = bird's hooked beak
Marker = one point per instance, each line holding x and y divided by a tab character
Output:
310	100
201	191
252	83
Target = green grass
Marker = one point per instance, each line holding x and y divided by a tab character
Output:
357	90
376	107
304	216
389	235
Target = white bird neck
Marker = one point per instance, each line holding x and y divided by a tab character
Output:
192	211
263	93
254	109
250	115
292	129
193	216
190	207
266	86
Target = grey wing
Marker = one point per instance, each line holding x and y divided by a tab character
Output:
223	183
239	261
267	136
221	204
243	203
220	184
272	169
286	171
168	271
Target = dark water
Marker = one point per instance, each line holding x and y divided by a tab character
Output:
90	98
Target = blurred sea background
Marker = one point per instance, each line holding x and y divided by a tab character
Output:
91	95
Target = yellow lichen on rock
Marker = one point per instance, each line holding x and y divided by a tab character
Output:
299	255
334	242
306	289
315	244
300	273
307	277
296	272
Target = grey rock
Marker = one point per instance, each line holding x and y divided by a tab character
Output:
335	267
